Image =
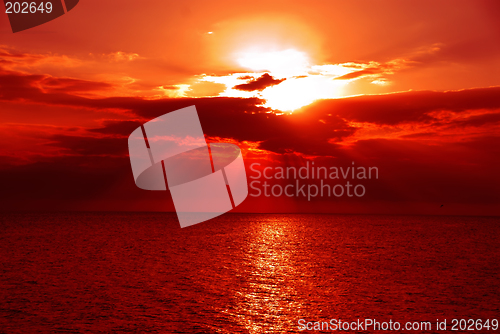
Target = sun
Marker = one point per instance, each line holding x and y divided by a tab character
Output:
295	93
283	63
301	84
300	87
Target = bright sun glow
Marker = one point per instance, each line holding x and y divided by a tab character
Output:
295	93
303	83
280	63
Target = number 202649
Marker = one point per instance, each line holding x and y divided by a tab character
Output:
28	7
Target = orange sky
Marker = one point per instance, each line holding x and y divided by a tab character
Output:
71	91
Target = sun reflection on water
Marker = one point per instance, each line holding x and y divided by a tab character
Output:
268	295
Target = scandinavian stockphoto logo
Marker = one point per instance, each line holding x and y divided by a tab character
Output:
205	181
29	14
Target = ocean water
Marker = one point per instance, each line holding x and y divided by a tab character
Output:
242	273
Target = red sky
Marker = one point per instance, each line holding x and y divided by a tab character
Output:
410	87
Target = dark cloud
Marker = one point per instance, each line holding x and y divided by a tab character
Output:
241	119
389	109
408	107
260	83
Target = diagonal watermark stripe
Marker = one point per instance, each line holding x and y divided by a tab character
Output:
171	152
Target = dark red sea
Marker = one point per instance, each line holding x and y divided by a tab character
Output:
243	273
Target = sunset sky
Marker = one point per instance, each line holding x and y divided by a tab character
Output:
410	87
